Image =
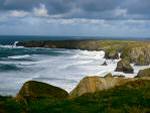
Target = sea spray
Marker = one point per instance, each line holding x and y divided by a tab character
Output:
60	67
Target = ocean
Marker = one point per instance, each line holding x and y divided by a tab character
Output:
60	67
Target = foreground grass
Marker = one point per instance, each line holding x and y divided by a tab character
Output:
133	97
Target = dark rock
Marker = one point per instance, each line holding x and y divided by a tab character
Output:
34	90
124	66
104	64
144	73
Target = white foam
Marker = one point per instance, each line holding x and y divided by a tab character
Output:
15	43
72	65
19	56
10	46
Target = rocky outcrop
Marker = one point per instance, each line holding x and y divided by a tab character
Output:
104	64
124	66
111	54
144	73
34	89
96	83
140	55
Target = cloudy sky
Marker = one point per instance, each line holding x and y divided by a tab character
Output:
121	18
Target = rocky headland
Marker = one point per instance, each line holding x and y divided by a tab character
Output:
93	94
137	52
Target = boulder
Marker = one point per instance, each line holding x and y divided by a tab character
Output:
124	66
104	64
34	89
111	54
95	83
144	73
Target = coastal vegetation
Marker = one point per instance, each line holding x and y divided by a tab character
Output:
132	97
120	95
93	94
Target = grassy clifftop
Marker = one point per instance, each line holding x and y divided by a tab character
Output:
84	44
132	97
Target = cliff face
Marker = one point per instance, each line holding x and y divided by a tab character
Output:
140	55
111	54
137	52
95	83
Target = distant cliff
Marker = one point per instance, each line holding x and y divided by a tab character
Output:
137	52
68	44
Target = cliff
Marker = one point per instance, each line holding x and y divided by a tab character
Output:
137	52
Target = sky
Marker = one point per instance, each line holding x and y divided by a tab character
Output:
116	18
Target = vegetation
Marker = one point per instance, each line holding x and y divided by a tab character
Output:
132	97
144	73
111	54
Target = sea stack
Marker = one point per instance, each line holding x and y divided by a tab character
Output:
124	66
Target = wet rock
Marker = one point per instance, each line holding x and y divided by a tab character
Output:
104	64
124	66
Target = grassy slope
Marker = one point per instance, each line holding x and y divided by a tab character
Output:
85	44
133	97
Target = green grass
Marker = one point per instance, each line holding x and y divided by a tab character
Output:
133	97
10	105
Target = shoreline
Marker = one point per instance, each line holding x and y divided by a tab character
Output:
111	47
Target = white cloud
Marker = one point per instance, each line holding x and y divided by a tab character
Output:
121	12
18	13
40	11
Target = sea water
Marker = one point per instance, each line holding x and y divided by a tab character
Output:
59	67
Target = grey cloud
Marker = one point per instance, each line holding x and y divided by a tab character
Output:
137	6
95	9
53	6
98	5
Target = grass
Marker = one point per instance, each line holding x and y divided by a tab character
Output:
133	97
